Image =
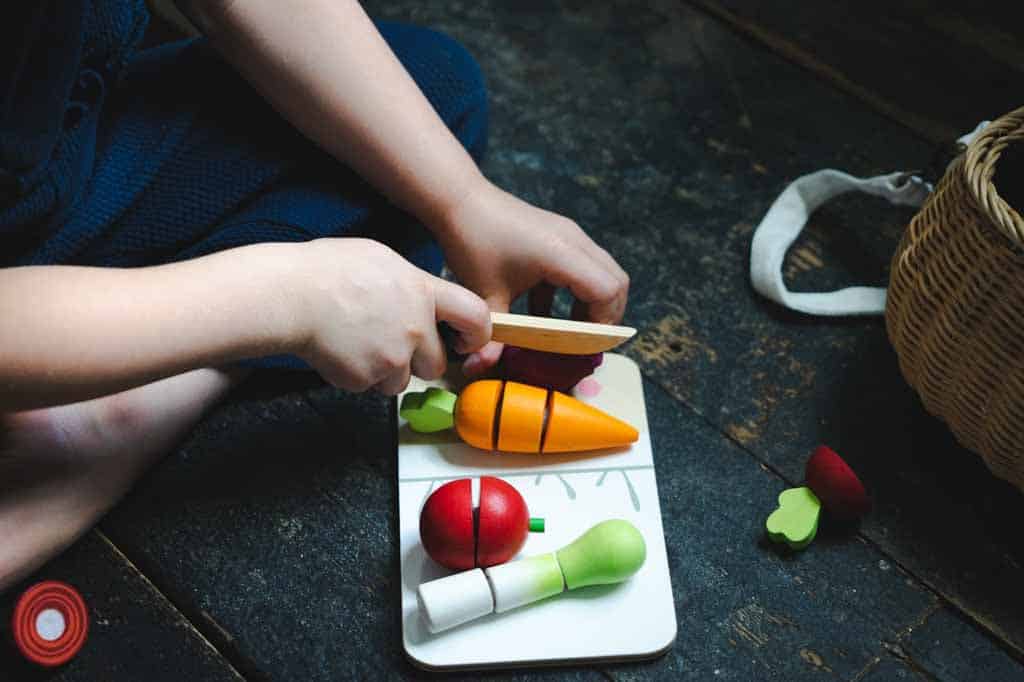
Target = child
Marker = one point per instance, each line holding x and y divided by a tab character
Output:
164	229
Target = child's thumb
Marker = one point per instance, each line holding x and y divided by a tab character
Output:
486	357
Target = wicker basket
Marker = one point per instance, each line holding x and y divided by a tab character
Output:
955	309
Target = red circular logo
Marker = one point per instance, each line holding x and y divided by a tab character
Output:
50	623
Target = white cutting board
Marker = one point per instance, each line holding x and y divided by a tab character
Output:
633	620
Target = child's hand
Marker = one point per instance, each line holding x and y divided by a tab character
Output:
366	317
500	247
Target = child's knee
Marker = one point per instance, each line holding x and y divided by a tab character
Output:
447	74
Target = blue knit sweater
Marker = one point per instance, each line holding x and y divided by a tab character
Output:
58	58
117	157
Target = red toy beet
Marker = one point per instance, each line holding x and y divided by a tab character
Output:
556	371
457	536
833	481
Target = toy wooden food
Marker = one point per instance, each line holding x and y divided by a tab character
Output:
832	485
459	536
513	417
795	521
556	371
833	481
609	553
50	623
554	335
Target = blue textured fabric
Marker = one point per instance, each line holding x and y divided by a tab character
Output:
58	59
185	159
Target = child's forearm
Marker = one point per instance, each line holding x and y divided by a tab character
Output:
73	333
324	66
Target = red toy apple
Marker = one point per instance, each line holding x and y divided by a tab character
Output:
833	481
447	524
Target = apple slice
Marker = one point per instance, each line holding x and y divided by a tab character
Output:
503	522
446	525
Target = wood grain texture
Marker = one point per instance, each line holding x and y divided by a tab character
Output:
936	66
555	335
134	632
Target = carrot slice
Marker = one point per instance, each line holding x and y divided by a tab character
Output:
574	426
475	413
522	417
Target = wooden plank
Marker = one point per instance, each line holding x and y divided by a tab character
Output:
947	649
134	633
933	65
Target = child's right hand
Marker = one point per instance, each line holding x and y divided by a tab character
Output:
364	317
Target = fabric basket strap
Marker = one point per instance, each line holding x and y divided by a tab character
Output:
787	217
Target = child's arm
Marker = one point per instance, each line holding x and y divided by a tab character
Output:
355	310
326	68
323	64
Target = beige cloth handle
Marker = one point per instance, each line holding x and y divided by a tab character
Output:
785	221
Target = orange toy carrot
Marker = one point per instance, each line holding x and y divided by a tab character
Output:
513	417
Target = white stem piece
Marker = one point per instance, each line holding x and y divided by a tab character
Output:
462	597
455	599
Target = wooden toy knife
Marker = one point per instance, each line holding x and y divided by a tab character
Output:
555	335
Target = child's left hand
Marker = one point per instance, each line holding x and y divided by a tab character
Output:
501	246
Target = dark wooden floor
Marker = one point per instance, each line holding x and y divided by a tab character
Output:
265	546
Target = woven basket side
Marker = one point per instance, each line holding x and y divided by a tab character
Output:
956	307
982	156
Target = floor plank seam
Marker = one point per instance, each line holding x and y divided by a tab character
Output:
921	620
188	621
931	131
898	652
895	648
868	667
200	632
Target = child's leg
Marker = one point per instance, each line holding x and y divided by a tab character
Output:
62	468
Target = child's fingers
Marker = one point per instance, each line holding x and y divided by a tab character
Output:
600	293
482	360
429	360
603	257
487	356
608	313
540	299
395	383
465	312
